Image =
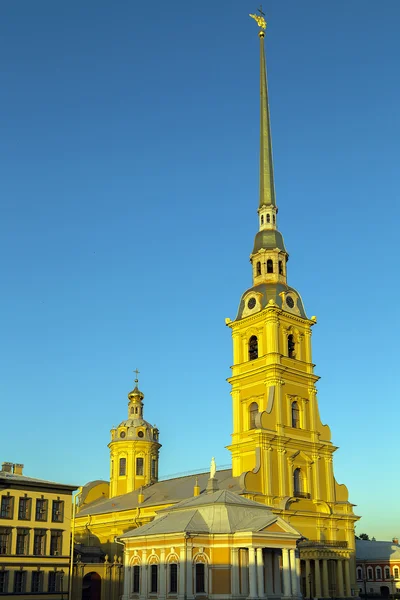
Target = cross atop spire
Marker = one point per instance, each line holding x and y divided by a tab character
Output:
137	373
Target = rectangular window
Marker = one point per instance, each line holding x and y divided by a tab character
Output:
7	507
122	467
22	542
41	509
153	468
55	543
5	540
387	573
37	581
200	583
173	578
54	581
24	509
136	579
139	466
4	582
19	582
57	513
39	542
153	579
396	572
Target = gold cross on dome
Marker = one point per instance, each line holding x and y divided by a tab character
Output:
137	373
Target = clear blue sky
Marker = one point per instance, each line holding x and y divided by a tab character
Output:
129	174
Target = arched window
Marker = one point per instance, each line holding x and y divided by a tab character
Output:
280	267
268	218
139	466
132	410
396	572
378	573
291	346
173	578
200	578
262	219
253	411
253	347
369	573
270	266
387	573
153	579
136	579
359	573
154	468
122	466
297	482
295	415
258	267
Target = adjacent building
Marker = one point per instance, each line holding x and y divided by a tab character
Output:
35	535
378	567
282	463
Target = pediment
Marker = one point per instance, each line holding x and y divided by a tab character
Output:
300	457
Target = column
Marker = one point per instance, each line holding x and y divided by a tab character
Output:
347	578
182	569
260	573
286	573
252	574
163	581
308	578
189	572
143	576
235	572
293	573
269	575
318	591
127	576
325	579
339	575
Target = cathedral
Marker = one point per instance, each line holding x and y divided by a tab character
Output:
277	524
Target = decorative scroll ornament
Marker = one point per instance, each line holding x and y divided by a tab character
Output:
259	19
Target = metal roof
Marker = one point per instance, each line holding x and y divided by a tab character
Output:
372	550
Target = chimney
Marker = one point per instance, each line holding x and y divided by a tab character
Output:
7	467
395	540
17	469
196	488
140	496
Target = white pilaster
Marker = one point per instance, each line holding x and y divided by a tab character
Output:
287	591
293	574
182	572
163	580
189	573
127	576
260	573
252	575
143	576
235	572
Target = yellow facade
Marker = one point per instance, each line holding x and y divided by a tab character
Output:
282	454
35	528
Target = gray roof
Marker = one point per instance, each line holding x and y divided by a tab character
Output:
218	512
371	550
169	491
23	480
269	239
271	291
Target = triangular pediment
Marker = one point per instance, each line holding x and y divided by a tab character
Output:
279	525
300	457
274	528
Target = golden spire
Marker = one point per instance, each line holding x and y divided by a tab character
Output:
267	188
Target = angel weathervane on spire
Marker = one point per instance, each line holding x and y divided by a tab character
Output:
261	22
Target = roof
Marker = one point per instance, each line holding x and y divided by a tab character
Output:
271	291
24	481
372	550
269	239
218	512
169	491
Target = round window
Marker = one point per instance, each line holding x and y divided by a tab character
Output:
289	301
251	303
122	434
140	434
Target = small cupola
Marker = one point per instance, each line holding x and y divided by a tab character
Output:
135	405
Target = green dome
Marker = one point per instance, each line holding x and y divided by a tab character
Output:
269	239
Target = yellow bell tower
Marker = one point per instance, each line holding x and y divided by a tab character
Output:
134	449
281	451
